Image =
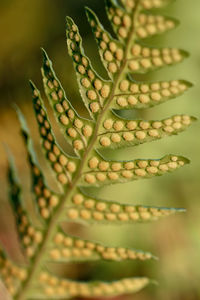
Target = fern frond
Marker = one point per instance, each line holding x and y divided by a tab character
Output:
118	132
94	90
46	200
66	248
143	95
11	274
51	287
77	130
105	100
119	172
85	209
30	237
63	165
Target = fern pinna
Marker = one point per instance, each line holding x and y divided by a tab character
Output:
132	21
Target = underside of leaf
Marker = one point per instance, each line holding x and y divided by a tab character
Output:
123	54
51	287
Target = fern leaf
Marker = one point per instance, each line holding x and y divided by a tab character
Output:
76	129
140	58
51	287
110	49
147	25
94	90
144	95
30	237
85	209
46	200
105	100
109	172
118	133
62	165
11	274
67	248
143	59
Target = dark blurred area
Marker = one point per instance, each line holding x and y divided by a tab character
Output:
25	27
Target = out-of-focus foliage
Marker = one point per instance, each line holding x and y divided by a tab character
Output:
25	26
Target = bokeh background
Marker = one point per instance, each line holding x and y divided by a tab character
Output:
25	26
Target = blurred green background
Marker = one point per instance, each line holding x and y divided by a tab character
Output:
25	26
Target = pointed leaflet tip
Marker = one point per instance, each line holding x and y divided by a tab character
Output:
69	22
10	159
69	19
22	120
185	53
87	8
194	119
35	91
175	21
14	182
185	159
42	49
32	85
88	11
26	135
70	25
46	61
90	14
183	81
44	54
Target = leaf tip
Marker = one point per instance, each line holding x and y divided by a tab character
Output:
91	16
186	160
32	85
88	10
184	53
175	21
193	119
44	54
35	91
69	22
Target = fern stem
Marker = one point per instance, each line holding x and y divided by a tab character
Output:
36	263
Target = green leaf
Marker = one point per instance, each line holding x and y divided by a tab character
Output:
131	94
111	50
76	129
150	25
143	59
85	209
62	164
52	287
94	90
29	236
119	133
11	274
121	20
67	249
101	172
46	200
